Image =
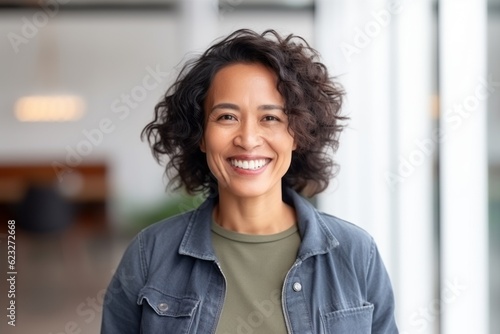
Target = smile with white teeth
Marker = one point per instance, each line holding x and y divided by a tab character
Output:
249	164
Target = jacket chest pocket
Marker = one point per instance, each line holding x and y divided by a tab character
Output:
162	313
353	320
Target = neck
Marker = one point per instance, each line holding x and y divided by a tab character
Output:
266	214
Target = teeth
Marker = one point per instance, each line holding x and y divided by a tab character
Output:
249	164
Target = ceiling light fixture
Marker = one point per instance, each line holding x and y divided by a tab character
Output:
49	108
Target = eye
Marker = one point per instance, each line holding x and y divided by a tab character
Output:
270	118
226	117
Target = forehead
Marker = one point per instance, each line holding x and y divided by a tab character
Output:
244	79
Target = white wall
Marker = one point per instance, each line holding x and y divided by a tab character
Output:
494	99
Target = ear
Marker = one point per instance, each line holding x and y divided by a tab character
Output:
294	147
202	145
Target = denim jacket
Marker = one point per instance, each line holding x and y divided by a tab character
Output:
169	279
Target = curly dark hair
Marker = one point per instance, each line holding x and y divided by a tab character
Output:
312	102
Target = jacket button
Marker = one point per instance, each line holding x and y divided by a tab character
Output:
297	287
163	307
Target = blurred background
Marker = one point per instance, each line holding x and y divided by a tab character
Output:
420	160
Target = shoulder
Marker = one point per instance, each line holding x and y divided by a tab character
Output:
344	229
351	238
157	245
324	231
169	229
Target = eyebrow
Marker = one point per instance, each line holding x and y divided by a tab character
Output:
235	107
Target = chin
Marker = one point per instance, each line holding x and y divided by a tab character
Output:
246	190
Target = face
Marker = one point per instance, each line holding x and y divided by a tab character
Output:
246	139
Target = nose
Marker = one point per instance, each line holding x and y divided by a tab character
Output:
249	135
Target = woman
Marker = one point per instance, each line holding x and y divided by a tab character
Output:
250	124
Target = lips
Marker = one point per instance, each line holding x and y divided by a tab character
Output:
249	164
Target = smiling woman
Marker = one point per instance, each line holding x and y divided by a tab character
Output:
245	127
251	123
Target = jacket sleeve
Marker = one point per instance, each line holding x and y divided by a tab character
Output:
379	292
121	313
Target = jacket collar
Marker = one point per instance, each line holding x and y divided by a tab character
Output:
316	237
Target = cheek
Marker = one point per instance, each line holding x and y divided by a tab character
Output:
213	144
287	139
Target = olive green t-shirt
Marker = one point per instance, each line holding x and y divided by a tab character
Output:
255	267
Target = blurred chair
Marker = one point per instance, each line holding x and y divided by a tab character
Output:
45	210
